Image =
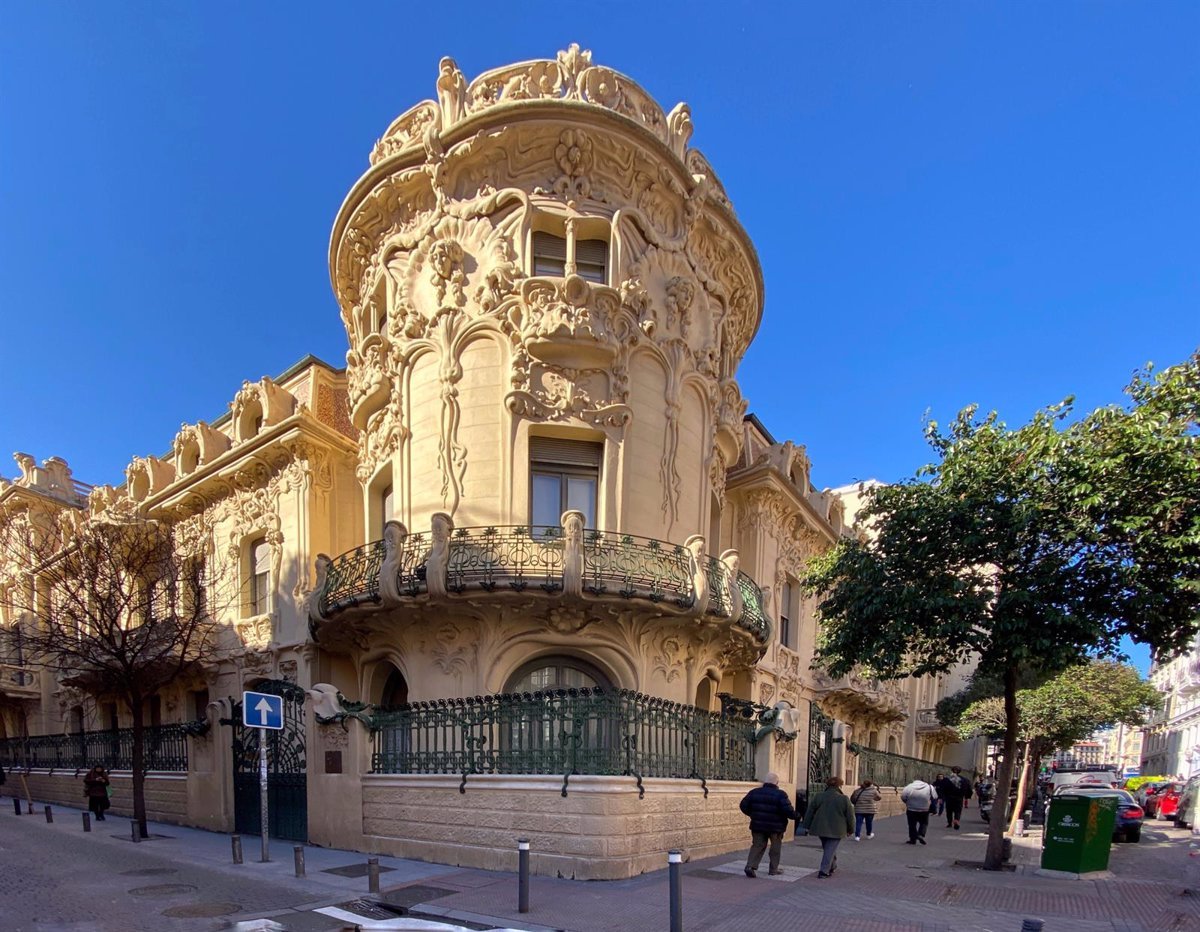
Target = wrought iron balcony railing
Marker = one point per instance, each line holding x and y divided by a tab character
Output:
568	560
164	747
563	731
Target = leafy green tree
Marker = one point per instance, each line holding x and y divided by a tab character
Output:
1026	549
1065	709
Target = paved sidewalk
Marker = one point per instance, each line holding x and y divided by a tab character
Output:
184	879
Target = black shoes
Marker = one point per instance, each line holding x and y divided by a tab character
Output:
823	876
911	841
920	839
774	873
750	872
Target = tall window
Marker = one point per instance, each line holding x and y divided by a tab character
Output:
564	476
260	576
587	258
387	505
785	611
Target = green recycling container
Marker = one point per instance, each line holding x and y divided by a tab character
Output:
1078	835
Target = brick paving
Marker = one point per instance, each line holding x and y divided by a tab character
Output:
54	878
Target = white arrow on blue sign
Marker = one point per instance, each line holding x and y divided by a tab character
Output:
262	710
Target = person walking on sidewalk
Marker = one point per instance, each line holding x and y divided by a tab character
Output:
769	810
955	790
939	805
866	803
95	788
831	818
918	798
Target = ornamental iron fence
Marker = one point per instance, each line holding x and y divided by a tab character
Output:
533	557
886	769
164	747
563	731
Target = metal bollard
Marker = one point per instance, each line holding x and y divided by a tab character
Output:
1020	830
522	875
49	814
87	821
1032	925
236	841
373	874
675	869
133	831
298	856
16	805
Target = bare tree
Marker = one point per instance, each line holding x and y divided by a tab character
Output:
119	607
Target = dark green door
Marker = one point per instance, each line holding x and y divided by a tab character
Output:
287	783
820	749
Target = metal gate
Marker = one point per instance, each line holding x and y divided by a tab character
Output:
820	749
287	784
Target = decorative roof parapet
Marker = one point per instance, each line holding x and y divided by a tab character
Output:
570	77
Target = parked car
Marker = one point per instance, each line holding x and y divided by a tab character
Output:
1189	796
1147	791
1164	803
1129	814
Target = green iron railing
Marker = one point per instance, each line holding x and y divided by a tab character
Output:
885	769
637	567
353	578
164	747
563	731
532	557
511	558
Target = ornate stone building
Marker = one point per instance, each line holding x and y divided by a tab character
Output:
525	565
1171	739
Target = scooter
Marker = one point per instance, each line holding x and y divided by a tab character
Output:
987	796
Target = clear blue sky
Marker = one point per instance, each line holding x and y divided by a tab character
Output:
953	202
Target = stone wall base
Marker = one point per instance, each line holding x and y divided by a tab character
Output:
166	793
601	830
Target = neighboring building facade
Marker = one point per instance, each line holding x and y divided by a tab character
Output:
566	601
1171	742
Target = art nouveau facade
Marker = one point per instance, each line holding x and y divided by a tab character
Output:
1171	739
534	477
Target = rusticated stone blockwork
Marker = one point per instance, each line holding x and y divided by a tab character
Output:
600	830
166	796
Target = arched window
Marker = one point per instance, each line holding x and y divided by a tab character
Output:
395	691
551	731
259	576
555	673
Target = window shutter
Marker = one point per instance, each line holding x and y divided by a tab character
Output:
591	251
565	452
549	246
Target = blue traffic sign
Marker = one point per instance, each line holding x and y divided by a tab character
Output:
262	710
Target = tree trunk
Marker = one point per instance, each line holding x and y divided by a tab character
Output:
993	859
139	764
1021	789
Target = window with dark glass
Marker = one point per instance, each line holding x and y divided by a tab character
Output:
564	476
260	576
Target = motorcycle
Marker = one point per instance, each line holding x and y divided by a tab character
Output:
986	793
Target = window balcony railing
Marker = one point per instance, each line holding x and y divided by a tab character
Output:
568	560
19	681
563	731
164	747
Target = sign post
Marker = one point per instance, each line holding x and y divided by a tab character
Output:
264	712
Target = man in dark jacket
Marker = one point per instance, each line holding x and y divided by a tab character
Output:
769	810
953	789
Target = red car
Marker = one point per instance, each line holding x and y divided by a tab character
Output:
1165	802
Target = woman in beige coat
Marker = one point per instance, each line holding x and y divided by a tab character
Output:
866	803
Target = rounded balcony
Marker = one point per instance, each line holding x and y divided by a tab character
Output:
561	563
